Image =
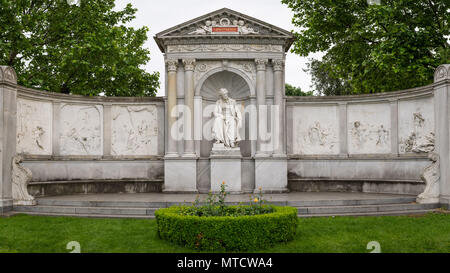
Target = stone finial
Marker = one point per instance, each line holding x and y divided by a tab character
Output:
172	65
8	74
442	73
261	64
189	64
278	64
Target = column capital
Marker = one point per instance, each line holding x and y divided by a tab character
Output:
442	73
8	74
189	64
261	64
278	64
172	65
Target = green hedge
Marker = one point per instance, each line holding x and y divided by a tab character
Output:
227	232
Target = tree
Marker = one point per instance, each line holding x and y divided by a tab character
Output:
325	82
78	49
373	48
296	91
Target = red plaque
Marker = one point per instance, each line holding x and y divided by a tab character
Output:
224	29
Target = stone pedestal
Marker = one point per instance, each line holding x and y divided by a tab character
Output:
271	174
180	175
226	166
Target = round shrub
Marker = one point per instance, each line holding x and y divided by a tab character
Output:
229	233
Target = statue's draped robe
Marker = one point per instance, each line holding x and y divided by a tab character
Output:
227	121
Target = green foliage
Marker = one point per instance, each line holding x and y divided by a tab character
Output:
84	49
296	91
324	81
372	48
215	205
227	233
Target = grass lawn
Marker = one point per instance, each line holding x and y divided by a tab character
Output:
429	233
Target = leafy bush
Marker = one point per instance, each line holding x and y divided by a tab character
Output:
215	205
229	233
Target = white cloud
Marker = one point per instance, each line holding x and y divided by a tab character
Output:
161	15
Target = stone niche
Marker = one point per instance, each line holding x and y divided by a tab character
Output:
34	127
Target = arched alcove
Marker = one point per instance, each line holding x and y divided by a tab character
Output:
226	76
237	87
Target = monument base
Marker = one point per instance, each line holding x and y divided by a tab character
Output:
271	174
226	167
445	202
24	203
6	205
180	175
427	200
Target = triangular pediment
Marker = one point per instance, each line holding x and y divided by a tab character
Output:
223	22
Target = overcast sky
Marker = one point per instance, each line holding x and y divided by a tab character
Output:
161	15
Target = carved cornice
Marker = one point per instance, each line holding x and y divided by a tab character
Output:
261	64
278	65
189	64
172	65
442	73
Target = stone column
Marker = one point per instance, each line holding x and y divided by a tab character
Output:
270	171
171	104
198	123
261	103
279	102
441	108
189	148
8	120
180	173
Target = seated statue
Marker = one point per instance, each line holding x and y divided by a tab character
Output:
227	121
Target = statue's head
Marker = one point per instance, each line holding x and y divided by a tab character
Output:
223	92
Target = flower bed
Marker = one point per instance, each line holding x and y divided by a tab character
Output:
216	226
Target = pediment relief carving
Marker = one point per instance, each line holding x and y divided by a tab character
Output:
224	22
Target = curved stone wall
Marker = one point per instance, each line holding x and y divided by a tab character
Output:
69	138
371	143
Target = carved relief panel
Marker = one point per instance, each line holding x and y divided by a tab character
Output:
134	130
34	127
315	130
369	128
416	129
81	129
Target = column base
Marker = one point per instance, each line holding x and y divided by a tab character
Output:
180	175
271	175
